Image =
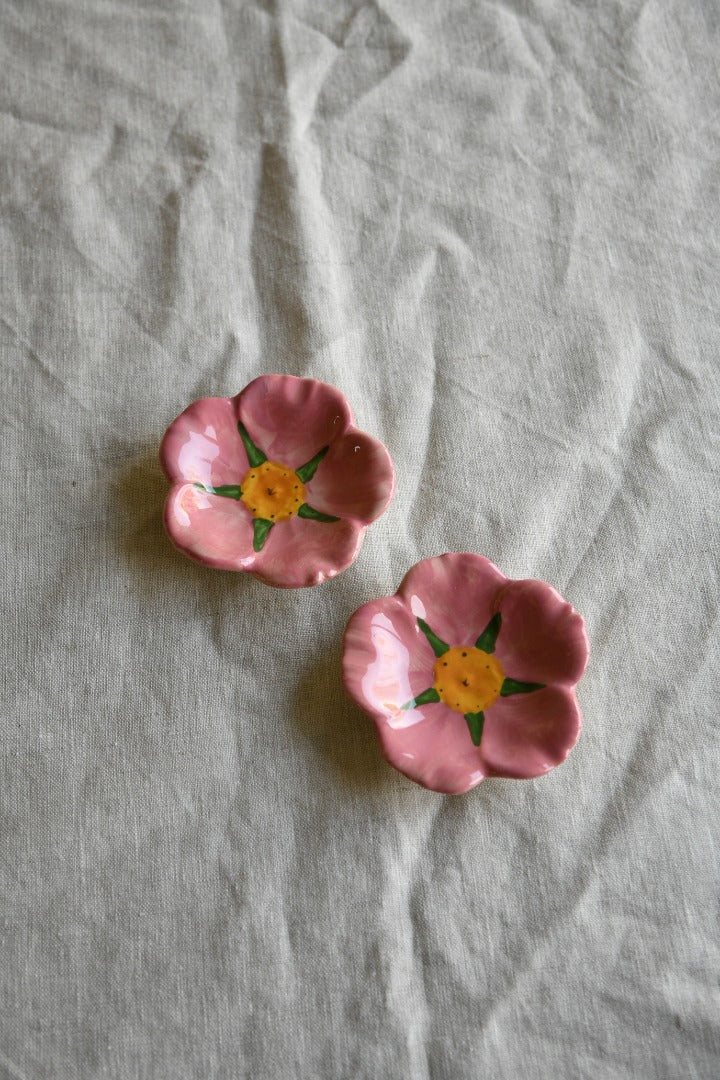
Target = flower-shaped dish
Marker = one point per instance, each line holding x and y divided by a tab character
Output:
277	481
467	673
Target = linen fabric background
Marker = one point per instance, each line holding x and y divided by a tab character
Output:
493	225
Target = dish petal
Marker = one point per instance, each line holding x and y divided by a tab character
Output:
543	639
301	552
456	594
209	528
527	735
355	479
203	445
291	419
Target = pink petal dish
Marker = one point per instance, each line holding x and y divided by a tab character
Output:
277	481
468	674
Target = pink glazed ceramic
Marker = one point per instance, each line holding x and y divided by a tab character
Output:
468	674
277	481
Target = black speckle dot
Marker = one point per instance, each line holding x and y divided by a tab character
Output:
444	663
464	654
272	515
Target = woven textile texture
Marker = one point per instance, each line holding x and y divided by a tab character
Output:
493	224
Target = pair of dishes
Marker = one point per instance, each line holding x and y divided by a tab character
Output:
466	673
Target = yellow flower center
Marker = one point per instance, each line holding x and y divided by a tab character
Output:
272	491
467	679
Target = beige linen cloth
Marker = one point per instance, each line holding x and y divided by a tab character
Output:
493	225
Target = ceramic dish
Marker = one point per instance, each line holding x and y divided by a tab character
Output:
467	673
277	481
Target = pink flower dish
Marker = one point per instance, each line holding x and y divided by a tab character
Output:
277	481
468	674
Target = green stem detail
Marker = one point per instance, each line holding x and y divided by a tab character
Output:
487	639
512	686
425	698
310	512
308	470
230	491
438	645
261	528
475	721
255	456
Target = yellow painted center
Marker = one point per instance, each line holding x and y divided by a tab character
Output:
467	679
272	491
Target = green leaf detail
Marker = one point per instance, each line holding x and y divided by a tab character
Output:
261	528
512	686
487	639
310	512
230	491
308	470
438	645
425	698
475	721
255	456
